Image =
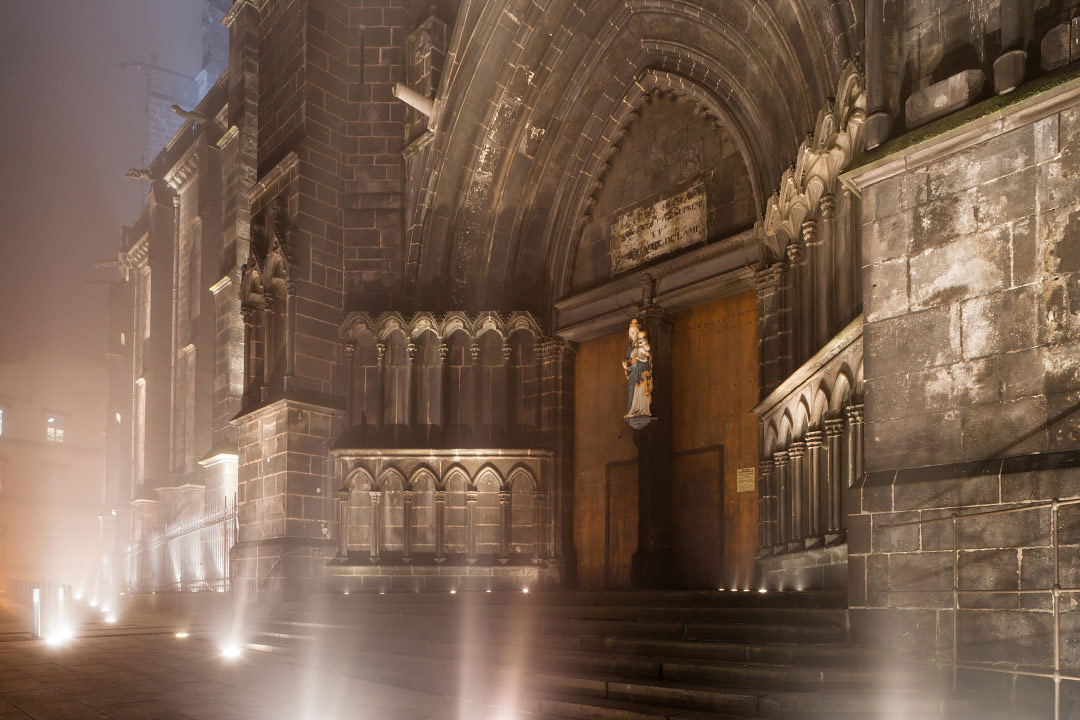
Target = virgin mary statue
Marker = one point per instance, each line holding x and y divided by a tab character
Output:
638	368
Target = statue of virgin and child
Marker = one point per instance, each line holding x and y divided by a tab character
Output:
638	369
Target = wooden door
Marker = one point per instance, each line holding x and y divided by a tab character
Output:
697	480
621	524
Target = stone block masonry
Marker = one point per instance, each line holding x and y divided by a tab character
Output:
971	275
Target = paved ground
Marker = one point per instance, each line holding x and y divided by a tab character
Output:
138	670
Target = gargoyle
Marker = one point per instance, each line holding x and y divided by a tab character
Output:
192	115
139	174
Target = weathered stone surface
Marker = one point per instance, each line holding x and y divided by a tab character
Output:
942	98
1060	45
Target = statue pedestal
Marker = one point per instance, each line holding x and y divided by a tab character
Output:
640	422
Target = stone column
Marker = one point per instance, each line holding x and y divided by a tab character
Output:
816	263
1010	64
251	391
444	391
651	563
855	443
410	385
796	326
376	524
844	265
508	404
783	506
797	484
343	523
876	129
470	519
766	498
478	390
826	287
815	439
350	353
808	290
440	526
290	331
556	359
834	428
769	287
380	352
268	309
407	497
504	516
539	500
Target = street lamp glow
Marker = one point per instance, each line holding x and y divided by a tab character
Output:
110	619
230	651
181	635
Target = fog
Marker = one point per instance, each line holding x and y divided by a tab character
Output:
72	120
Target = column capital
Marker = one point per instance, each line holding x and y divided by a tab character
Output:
828	206
556	349
268	300
444	351
809	232
408	495
344	493
794	252
470	496
656	315
780	458
350	350
375	495
796	450
380	350
765	467
769	279
440	496
815	439
834	427
504	497
506	352
290	286
248	314
854	413
410	352
474	352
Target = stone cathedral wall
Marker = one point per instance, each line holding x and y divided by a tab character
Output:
971	275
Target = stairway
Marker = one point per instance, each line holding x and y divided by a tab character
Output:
632	656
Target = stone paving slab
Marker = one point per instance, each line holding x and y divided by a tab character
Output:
138	670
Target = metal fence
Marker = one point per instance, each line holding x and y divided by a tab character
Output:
191	553
1055	591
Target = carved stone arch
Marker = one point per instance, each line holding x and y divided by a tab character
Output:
390	323
456	471
771	439
360	480
488	322
421	323
857	384
786	430
486	471
456	321
523	322
522	472
820	407
841	392
420	473
801	419
391	479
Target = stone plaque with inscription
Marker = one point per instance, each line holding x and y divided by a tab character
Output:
652	229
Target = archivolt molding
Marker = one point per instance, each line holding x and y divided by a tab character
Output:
821	158
383	326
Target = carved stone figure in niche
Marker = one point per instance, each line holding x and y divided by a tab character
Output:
637	367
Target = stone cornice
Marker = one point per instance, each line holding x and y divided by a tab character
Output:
260	186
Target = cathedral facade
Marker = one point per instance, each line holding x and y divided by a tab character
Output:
368	330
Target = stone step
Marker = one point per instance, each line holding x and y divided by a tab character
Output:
600	598
755	615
